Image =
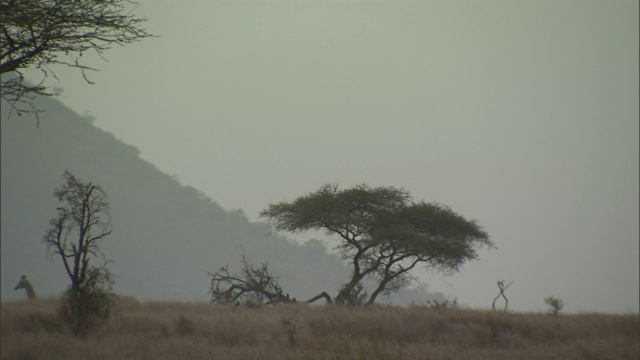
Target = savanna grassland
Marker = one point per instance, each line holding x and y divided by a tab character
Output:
173	330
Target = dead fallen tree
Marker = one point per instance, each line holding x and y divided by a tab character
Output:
252	284
322	295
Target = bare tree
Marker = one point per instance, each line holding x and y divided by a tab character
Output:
37	34
76	233
502	288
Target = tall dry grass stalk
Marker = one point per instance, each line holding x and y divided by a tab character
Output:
173	330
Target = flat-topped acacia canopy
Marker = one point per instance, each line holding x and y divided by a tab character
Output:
382	233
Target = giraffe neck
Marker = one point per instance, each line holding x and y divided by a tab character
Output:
24	284
30	292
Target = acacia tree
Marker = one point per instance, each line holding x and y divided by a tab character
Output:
382	234
39	33
76	233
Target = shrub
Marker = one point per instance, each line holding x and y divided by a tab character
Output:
555	304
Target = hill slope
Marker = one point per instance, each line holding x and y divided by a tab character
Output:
166	236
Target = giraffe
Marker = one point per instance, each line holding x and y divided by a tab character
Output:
26	285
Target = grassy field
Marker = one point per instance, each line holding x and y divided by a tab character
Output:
173	330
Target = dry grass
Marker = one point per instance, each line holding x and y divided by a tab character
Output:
172	330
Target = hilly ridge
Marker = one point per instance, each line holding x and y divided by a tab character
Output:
166	236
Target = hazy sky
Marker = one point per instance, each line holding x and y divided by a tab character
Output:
520	114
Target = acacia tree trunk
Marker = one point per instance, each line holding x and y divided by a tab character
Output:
346	292
389	275
345	295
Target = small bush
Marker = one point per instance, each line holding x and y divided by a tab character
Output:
555	304
83	310
184	326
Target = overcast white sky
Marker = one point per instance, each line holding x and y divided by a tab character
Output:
520	114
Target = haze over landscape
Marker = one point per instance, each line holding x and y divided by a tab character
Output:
520	114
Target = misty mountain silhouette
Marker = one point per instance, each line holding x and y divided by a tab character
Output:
166	236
